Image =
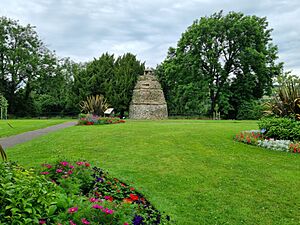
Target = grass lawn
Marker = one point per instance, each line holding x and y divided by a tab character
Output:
192	170
21	126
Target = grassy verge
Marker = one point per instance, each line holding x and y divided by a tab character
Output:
13	127
193	170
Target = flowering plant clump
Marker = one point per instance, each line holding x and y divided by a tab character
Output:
114	190
258	138
73	177
89	119
250	137
94	197
294	147
278	145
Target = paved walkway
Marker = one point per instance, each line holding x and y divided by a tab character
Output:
27	136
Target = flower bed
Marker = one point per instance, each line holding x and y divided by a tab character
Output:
71	193
89	119
258	138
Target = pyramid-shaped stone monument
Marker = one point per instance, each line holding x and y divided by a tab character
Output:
148	101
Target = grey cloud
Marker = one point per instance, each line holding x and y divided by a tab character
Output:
85	29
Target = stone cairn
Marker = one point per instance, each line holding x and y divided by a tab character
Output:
148	101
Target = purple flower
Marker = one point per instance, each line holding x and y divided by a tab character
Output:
99	179
137	220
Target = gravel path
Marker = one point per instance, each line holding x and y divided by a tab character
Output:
8	142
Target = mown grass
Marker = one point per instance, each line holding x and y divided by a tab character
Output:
13	127
192	170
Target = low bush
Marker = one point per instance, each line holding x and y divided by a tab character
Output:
89	119
251	110
25	197
70	193
281	128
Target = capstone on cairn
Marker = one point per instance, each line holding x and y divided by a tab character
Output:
148	101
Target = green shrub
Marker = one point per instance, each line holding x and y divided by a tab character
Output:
281	128
285	101
251	110
25	197
95	105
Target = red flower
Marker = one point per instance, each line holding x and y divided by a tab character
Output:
42	222
109	198
127	200
134	197
70	172
87	164
131	189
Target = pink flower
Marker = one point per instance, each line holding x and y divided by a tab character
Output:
126	224
80	163
64	163
47	165
70	172
71	167
72	223
85	221
96	206
58	170
45	173
93	200
42	222
73	210
108	211
108	198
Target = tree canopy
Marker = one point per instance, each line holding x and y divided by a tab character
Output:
38	83
220	60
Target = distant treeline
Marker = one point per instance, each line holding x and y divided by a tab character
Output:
222	63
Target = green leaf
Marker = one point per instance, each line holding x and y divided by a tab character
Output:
52	210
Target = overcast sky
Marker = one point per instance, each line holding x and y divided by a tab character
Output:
84	29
